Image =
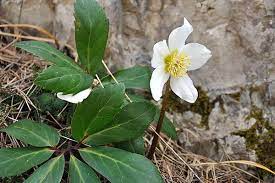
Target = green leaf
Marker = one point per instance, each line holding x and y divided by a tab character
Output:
51	171
64	76
129	123
134	146
168	127
49	53
134	98
97	110
137	98
79	172
18	160
120	166
33	133
136	77
48	102
63	79
91	33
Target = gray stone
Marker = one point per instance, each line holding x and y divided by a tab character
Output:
63	21
270	6
37	12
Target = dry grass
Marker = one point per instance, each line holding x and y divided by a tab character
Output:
16	78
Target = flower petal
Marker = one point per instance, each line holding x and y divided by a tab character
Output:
160	51
179	35
77	98
158	79
198	54
184	88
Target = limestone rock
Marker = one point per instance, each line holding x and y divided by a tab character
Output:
37	12
63	21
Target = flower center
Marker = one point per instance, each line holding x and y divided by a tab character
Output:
177	63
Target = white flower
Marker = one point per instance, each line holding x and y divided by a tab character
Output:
174	61
77	98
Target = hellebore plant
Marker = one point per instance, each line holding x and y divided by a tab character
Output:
171	63
106	130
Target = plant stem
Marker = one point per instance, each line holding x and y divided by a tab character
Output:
160	121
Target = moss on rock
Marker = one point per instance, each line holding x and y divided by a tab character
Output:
261	138
202	106
236	96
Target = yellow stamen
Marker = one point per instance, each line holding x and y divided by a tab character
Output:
177	63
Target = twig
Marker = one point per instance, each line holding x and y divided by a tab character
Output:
8	45
160	122
36	39
176	154
40	29
113	77
27	37
54	119
62	110
99	81
67	138
244	162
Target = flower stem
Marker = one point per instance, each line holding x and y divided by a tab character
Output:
160	121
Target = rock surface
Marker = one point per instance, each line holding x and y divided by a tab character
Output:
237	81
